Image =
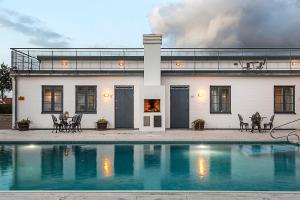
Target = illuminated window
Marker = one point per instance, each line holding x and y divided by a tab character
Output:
52	99
220	99
284	99
86	99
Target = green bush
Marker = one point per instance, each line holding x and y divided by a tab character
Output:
5	109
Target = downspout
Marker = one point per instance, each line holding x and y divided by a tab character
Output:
16	102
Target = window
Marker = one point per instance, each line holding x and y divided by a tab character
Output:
86	99
284	99
52	99
220	99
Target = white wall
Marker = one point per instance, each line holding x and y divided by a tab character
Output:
31	89
248	95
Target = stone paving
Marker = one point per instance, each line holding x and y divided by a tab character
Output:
136	136
150	195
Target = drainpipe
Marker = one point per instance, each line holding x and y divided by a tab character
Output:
15	96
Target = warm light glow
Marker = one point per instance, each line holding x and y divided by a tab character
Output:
121	63
202	167
31	146
106	95
107	167
202	146
65	63
178	64
293	63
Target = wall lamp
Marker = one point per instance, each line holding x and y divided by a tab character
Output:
107	95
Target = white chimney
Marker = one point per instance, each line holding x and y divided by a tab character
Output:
152	57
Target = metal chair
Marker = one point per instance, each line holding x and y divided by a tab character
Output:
73	124
256	121
56	125
64	122
269	124
243	124
79	122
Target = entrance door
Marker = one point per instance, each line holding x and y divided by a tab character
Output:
124	107
179	107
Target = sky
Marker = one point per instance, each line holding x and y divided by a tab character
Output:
121	23
73	23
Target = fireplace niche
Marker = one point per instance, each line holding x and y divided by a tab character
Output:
151	105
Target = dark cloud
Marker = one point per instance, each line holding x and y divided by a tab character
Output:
33	28
229	23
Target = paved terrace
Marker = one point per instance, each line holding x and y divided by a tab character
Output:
136	136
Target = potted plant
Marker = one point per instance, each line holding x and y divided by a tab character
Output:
23	125
198	124
102	124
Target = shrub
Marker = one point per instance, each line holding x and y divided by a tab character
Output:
102	121
24	121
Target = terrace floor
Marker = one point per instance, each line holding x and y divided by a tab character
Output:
137	136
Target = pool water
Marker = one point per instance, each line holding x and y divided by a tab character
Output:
230	167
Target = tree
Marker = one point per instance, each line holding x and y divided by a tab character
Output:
5	80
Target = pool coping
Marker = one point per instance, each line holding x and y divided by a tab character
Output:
12	142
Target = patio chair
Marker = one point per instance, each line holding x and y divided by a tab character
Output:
261	64
243	124
269	124
79	122
256	121
73	124
64	122
56	124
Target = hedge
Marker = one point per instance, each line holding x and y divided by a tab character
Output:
5	109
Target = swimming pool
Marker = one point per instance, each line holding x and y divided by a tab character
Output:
227	167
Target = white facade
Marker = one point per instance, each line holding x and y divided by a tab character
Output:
248	95
152	77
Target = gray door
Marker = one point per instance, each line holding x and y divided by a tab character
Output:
124	107
179	107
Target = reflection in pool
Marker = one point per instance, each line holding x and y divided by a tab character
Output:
240	167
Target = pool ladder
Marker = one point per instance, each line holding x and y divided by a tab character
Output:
289	135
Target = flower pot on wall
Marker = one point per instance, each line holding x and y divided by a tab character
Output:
198	124
23	127
101	126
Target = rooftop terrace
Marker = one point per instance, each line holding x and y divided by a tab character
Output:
172	59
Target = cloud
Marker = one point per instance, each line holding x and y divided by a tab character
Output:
228	23
33	28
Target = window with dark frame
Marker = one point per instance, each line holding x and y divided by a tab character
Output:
52	99
284	99
220	99
86	97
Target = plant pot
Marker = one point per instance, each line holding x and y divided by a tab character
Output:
199	127
101	126
23	127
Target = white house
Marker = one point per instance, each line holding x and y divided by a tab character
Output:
154	88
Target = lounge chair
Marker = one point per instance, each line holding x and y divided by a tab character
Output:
269	124
243	124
